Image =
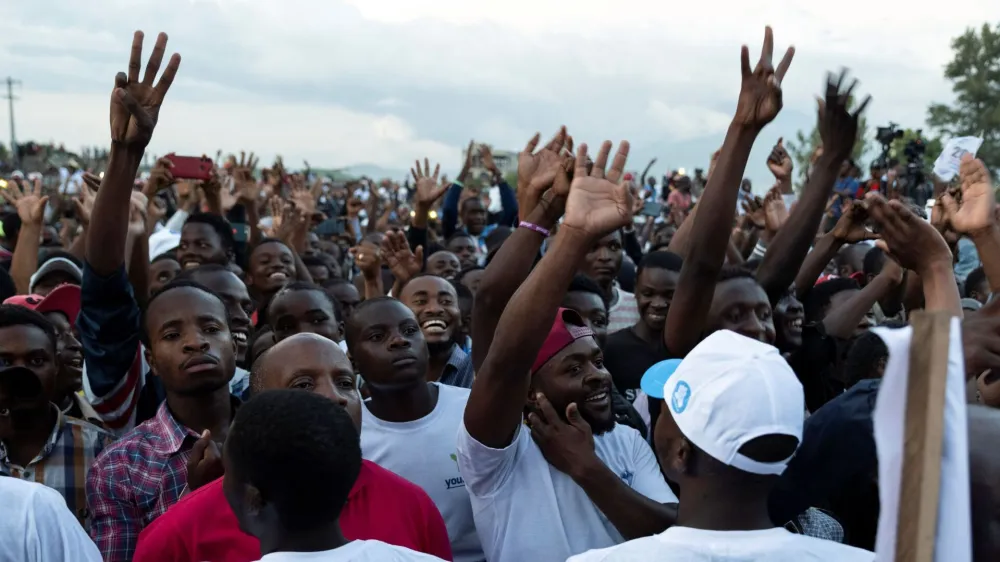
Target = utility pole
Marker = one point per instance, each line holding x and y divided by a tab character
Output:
10	98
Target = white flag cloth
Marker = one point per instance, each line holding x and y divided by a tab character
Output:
946	165
954	528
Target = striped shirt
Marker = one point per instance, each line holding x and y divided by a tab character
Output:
63	462
135	480
624	313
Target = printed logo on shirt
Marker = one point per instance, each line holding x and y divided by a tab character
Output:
456	482
679	400
627	476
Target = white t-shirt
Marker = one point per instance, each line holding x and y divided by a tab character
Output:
36	525
354	551
423	452
526	509
684	544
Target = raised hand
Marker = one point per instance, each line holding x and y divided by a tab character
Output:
135	105
396	253
84	201
775	211
753	210
160	177
536	172
368	260
28	200
779	162
302	197
247	189
597	203
428	191
910	240
978	203
838	127
760	91
850	228
487	156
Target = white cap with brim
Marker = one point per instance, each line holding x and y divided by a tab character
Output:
728	391
56	265
162	242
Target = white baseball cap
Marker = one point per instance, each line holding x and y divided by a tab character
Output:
729	390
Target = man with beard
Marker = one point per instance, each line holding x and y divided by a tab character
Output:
408	424
37	442
434	301
190	349
571	479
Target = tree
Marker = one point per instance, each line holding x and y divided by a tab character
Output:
803	146
975	76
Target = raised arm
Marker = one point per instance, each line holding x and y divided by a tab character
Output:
30	204
838	128
596	205
537	172
976	216
759	103
850	228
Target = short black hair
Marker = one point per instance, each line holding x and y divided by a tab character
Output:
421	275
259	332
583	284
168	255
277	429
660	260
312	261
189	274
730	272
11	225
818	297
467	271
175	283
334	281
462	292
457	234
296	286
466	201
863	357
14	315
351	327
55	253
874	261
221	226
975	278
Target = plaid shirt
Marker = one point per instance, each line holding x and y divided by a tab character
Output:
63	462
458	371
135	480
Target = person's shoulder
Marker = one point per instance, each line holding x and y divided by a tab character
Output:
90	431
136	439
389	483
637	549
624	337
15	491
830	550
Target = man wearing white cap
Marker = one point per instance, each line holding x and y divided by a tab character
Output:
736	415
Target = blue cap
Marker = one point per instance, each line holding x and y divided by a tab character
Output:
655	378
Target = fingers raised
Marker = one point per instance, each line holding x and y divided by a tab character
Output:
618	164
135	58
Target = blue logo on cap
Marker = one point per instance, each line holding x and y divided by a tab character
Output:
679	400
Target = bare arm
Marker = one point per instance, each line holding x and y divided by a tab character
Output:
595	206
787	250
30	205
842	321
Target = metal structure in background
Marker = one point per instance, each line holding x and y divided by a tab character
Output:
10	98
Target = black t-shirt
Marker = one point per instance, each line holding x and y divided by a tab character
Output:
627	357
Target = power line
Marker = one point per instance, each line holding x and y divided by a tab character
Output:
10	98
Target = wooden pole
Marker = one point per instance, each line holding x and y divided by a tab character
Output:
924	435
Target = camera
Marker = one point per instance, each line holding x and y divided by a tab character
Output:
885	135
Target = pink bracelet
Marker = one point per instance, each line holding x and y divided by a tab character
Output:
535	227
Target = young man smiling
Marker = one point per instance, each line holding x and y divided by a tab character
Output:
381	505
434	301
571	479
408	424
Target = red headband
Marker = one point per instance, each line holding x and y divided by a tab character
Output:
567	328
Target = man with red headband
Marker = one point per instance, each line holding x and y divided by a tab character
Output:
571	479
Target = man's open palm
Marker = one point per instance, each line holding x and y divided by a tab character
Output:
978	201
599	203
135	104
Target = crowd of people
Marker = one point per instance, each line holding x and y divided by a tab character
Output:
268	365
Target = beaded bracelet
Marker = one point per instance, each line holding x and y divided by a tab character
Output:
535	227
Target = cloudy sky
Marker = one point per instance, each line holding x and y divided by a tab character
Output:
348	82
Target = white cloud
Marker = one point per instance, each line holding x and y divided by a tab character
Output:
385	81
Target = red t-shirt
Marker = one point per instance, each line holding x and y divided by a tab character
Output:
382	506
